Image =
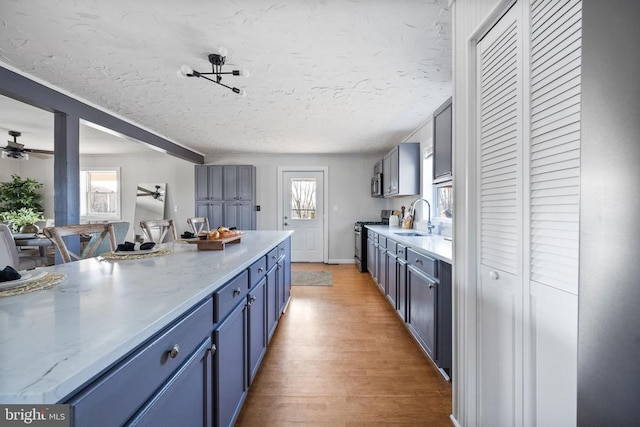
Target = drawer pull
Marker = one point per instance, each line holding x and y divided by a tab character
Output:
430	285
401	252
173	353
418	261
236	292
213	349
251	300
260	270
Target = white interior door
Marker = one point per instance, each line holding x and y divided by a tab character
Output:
500	222
303	212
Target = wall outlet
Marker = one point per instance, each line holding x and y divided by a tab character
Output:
175	208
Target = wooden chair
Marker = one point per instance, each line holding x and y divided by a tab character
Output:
198	224
159	230
57	233
120	230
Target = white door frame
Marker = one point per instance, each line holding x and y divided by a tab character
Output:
325	198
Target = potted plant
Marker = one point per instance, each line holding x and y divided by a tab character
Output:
21	203
22	220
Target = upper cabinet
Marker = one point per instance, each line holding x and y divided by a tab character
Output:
226	195
401	170
239	182
208	182
442	143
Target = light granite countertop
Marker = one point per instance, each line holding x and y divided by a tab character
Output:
429	244
53	341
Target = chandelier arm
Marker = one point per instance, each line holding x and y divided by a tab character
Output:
218	83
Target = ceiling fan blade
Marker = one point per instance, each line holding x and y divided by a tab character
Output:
36	151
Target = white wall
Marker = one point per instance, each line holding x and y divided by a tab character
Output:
152	167
349	192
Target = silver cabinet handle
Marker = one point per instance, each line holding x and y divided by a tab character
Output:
418	261
173	353
213	349
236	291
430	285
260	270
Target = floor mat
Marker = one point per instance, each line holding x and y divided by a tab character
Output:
312	278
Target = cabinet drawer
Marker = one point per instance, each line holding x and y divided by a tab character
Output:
401	251
230	295
117	395
272	257
391	246
382	242
423	263
257	271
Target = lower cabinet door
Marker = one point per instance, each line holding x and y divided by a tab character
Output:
230	367
392	279
282	294
401	302
185	399
272	301
422	309
257	328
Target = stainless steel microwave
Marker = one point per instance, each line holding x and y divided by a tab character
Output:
376	185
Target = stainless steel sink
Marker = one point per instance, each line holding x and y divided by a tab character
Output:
408	233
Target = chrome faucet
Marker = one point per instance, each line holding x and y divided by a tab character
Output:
412	209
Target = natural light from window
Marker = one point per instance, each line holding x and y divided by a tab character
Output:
100	194
303	198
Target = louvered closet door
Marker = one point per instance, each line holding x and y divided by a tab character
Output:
554	206
500	199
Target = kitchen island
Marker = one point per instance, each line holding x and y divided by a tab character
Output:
75	336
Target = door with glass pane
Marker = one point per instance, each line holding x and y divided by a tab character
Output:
303	212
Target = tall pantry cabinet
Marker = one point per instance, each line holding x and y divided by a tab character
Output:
528	182
226	195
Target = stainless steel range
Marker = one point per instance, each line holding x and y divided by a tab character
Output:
361	240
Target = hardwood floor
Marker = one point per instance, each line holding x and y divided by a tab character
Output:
341	357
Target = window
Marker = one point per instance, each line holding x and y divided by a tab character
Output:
444	202
303	198
100	194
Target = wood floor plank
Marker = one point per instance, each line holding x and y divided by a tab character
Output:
342	357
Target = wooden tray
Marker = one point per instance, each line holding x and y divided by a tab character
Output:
214	245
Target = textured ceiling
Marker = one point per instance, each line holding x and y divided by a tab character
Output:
332	76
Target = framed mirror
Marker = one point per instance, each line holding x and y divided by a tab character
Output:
150	201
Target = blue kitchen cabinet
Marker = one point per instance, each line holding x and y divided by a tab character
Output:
285	254
230	366
382	264
239	215
256	326
444	336
154	370
392	273
208	183
226	195
186	398
239	182
212	211
422	300
401	267
371	254
272	312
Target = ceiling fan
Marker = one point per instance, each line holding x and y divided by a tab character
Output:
157	195
15	150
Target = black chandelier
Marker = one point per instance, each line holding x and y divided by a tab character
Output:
217	61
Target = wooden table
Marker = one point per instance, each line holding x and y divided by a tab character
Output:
33	240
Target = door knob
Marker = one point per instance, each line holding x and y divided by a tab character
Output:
494	275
